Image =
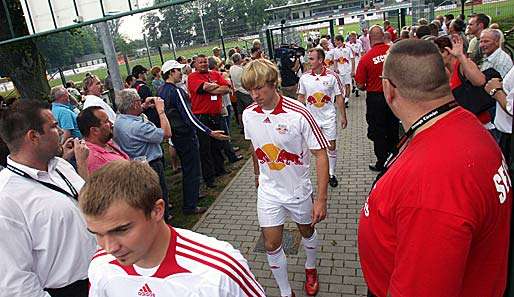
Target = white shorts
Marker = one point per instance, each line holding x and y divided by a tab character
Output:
274	213
329	129
346	78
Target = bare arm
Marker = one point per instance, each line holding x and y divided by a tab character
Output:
220	90
500	96
163	119
469	68
66	134
256	169
319	211
81	152
353	66
342	110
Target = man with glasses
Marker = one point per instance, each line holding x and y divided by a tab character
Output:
382	124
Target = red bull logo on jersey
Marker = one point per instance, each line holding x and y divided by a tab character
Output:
328	62
277	158
342	60
318	99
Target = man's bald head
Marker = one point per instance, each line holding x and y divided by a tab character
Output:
424	82
376	35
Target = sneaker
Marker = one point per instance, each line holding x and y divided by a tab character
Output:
376	167
311	282
333	181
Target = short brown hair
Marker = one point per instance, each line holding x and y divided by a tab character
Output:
402	67
133	182
320	51
259	72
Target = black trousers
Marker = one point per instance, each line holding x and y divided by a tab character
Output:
188	151
77	289
210	149
383	126
158	166
504	144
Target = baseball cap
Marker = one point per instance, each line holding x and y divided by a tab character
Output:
138	69
171	64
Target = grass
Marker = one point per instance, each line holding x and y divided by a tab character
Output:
174	181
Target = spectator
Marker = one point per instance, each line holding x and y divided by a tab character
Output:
404	34
144	91
184	138
434	29
182	60
390	29
422	22
74	93
206	88
387	38
63	112
243	97
256	53
167	260
422	31
442	25
364	38
458	27
94	124
157	81
448	19
142	139
420	234
46	246
477	23
216	54
93	95
129	81
493	55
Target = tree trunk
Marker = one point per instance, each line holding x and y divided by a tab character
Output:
21	61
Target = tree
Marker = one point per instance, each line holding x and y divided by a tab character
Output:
22	61
151	29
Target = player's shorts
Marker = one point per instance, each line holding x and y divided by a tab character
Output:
274	213
346	78
329	129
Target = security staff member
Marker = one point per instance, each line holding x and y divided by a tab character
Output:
382	124
185	141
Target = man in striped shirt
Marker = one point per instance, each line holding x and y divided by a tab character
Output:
284	134
141	255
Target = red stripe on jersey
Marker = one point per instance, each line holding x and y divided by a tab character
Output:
339	83
217	268
323	142
243	269
99	255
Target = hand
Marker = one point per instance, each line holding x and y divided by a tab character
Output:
149	102
319	211
67	149
219	135
159	104
80	150
457	49
344	122
494	83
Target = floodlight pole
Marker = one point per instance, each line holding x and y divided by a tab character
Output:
173	45
201	22
222	41
110	55
147	50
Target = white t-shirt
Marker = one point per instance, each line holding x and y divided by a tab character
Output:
503	120
194	266
282	140
320	91
343	56
45	242
236	71
92	100
357	50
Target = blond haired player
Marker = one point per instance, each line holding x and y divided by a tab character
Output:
358	50
141	255
319	89
344	65
284	134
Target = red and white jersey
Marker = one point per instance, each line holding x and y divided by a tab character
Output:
329	56
343	56
282	139
357	50
320	91
195	265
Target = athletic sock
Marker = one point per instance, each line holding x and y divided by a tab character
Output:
346	99
332	159
310	245
278	263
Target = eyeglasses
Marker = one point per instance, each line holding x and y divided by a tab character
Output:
385	77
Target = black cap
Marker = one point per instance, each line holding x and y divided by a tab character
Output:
138	69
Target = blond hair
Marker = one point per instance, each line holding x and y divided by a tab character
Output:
258	73
133	182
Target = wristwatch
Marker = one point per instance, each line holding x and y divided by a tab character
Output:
494	91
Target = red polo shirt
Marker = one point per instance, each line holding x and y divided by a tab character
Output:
370	68
390	29
201	101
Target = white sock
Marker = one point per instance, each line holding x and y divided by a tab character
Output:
310	245
332	159
346	99
278	263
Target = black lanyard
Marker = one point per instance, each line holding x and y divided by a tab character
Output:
402	144
74	194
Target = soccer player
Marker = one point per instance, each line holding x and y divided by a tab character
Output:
344	65
284	134
141	255
318	89
357	48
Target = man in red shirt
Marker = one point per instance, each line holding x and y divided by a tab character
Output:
206	89
382	124
436	223
389	28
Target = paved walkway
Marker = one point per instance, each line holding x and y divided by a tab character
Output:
233	217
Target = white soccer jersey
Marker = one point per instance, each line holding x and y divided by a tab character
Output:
194	266
343	56
282	139
357	50
320	91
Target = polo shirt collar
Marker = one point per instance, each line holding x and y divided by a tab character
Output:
277	110
493	55
33	172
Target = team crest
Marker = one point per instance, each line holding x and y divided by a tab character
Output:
282	129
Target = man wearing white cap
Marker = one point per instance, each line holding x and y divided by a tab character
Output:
183	122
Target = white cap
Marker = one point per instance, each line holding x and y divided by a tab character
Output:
171	64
